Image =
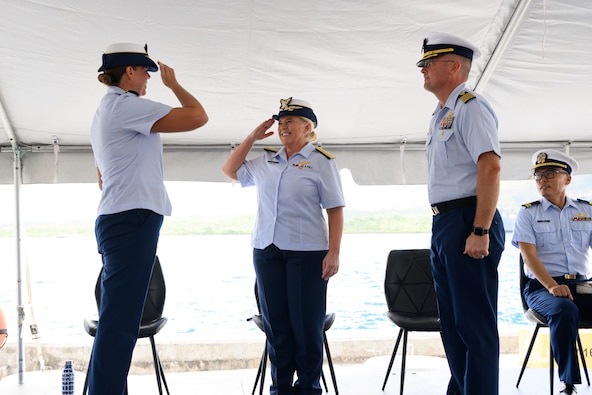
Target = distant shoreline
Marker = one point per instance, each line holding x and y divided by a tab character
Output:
355	223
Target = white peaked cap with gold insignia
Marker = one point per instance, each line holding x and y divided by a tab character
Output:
437	44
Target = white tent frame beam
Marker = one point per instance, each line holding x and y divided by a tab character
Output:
518	18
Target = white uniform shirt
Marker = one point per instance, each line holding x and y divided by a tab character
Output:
562	237
128	155
291	195
459	133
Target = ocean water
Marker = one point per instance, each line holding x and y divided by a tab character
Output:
210	282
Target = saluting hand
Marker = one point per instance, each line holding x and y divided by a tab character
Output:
261	132
168	75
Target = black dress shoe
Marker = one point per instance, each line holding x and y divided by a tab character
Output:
568	389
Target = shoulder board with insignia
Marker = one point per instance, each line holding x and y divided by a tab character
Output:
466	96
585	201
325	153
271	149
536	202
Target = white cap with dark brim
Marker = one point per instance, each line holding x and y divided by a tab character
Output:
127	54
555	159
296	107
437	44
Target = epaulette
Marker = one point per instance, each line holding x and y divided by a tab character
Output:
585	201
325	153
466	96
527	205
271	149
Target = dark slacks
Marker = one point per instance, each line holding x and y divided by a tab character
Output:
127	242
564	318
292	297
467	291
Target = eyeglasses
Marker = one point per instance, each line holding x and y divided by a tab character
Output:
428	63
548	174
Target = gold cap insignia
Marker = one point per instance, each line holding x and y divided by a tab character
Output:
541	158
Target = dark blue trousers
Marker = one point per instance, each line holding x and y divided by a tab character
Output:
292	297
564	317
467	291
127	242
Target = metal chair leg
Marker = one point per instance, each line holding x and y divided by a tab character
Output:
403	360
160	379
263	369
388	371
583	359
260	370
530	346
155	358
324	380
551	367
331	368
263	366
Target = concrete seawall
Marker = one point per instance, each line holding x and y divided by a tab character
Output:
225	355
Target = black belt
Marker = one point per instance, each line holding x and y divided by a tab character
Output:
440	208
572	277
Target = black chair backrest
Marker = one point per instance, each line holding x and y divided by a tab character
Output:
154	305
523	281
408	284
257	297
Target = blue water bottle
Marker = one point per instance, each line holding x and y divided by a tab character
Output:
68	379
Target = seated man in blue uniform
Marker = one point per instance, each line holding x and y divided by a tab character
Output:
554	235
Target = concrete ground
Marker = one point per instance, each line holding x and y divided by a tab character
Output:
424	375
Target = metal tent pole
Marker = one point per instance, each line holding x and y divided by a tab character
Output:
20	308
16	152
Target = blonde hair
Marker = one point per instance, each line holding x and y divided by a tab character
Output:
312	135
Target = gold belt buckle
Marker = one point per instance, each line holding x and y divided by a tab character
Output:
570	276
435	210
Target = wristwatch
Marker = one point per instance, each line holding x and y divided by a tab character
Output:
480	231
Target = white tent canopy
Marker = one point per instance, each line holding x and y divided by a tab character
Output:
354	61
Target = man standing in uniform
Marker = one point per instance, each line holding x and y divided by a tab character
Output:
554	235
467	231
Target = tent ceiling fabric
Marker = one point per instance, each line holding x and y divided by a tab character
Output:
354	61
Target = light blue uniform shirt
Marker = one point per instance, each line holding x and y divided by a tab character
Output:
459	133
128	155
562	237
291	196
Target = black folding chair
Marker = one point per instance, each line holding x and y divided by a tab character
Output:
411	299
